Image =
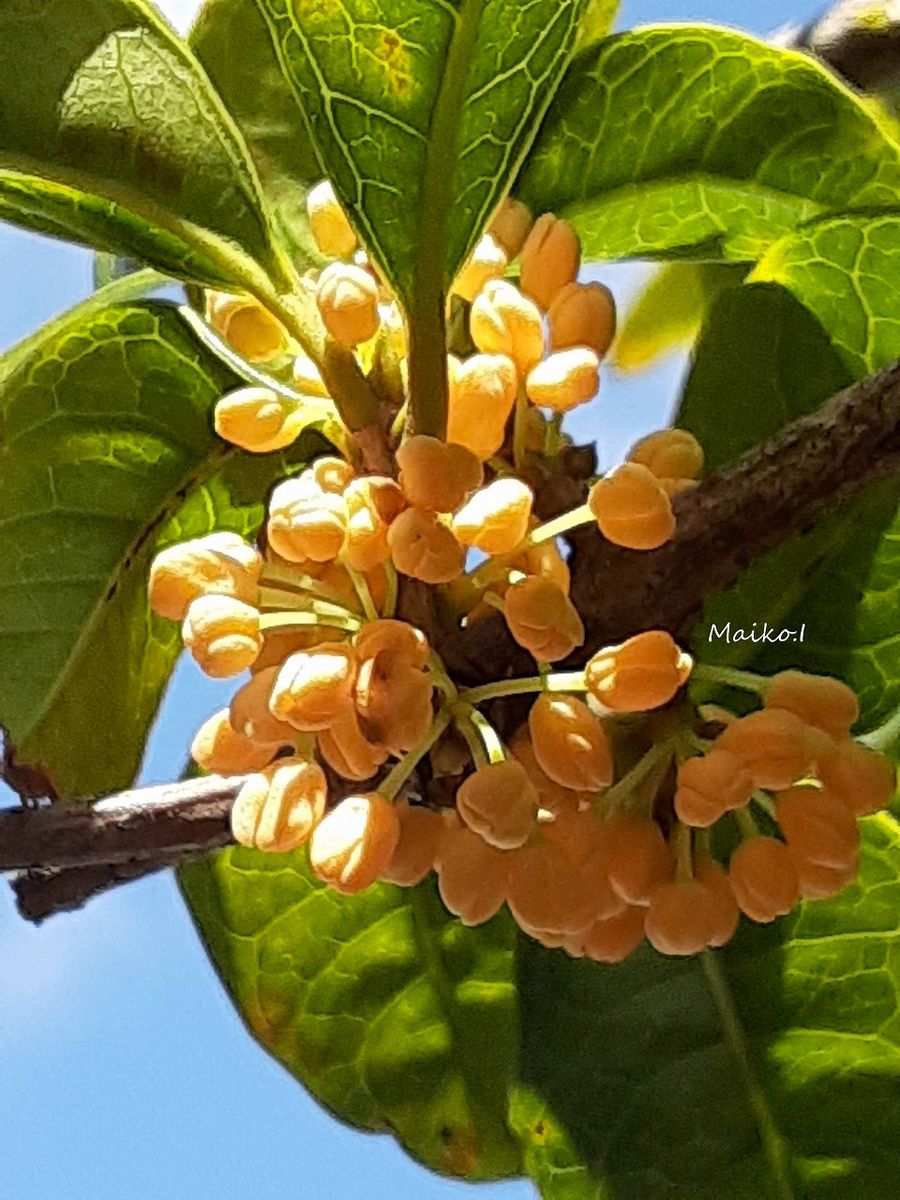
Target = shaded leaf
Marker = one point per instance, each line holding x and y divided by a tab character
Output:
106	454
789	1086
421	114
668	314
393	1014
700	142
111	134
231	41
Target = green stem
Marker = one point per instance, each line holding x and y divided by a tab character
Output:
520	429
684	853
288	620
486	734
292	581
561	525
886	738
362	590
773	1143
442	680
393	589
394	781
747	681
765	803
568	681
620	793
427	322
746	824
289	601
466	729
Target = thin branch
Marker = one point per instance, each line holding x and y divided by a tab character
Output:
770	495
858	39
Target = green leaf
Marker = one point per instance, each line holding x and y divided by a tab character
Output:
844	269
774	361
106	455
111	134
669	313
421	114
231	41
393	1014
769	1069
597	22
698	142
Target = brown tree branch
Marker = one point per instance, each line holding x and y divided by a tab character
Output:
771	494
858	39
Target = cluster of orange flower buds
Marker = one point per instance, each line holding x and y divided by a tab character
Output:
608	817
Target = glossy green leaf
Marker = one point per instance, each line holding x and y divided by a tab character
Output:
231	41
766	1071
393	1014
669	312
111	134
700	142
107	453
597	22
421	113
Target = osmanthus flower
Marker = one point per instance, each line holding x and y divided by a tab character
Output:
218	564
639	675
278	808
353	845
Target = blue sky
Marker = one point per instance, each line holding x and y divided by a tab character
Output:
124	1072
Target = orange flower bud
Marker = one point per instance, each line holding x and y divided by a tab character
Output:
368	500
553	797
348	751
678	920
222	634
328	222
565	380
546	562
549	891
277	809
354	843
307	379
395	642
420	835
550	259
472	876
710	786
220	564
641	674
328	474
496	518
347	297
395	700
499	803
818	828
503	321
306	524
246	326
669	454
258	419
437	475
822	883
723	908
632	509
583	314
861	778
636	856
777	748
482	396
313	687
542	619
613	939
764	879
423	548
511	226
218	748
817	700
487	261
569	743
249	710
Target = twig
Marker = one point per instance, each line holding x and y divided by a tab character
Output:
858	39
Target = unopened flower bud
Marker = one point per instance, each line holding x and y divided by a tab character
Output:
218	748
393	643
861	778
347	298
550	259
583	314
246	326
487	261
437	475
496	518
776	746
472	876
332	231
503	321
565	380
222	634
542	619
711	785
632	509
826	703
423	548
372	503
764	879
250	714
499	803
482	396
313	686
219	564
258	419
355	842
569	743
307	379
414	856
278	809
669	454
511	226
641	674
347	750
306	524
